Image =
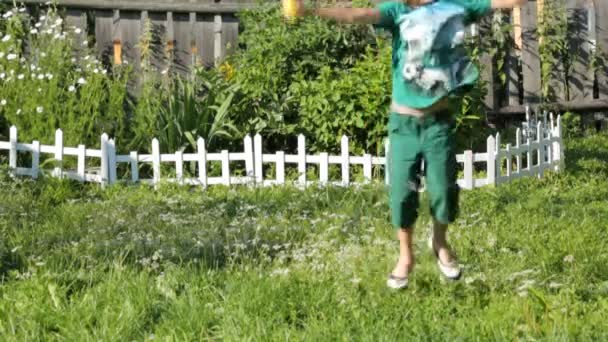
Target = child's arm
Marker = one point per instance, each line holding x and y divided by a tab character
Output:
341	14
508	3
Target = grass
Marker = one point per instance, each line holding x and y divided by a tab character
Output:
78	263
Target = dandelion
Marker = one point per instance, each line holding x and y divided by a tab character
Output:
82	81
20	76
72	89
3	102
11	56
2	76
6	38
41	77
39	110
96	71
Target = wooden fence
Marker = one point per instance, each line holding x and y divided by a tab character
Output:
537	148
204	31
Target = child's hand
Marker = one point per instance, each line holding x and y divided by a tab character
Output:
293	8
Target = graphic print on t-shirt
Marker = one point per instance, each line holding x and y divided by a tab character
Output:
435	61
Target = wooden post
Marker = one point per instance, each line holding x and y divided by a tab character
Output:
104	160
225	156
367	168
513	59
12	160
202	161
82	153
491	161
324	168
179	167
112	161
280	167
345	161
35	159
302	159
249	159
217	30
58	172
156	163
133	156
468	170
258	159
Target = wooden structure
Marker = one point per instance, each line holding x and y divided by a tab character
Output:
579	89
203	32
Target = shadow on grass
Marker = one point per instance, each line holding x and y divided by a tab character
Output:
587	155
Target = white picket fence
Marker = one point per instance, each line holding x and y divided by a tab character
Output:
502	164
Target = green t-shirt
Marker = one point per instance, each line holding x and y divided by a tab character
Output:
429	58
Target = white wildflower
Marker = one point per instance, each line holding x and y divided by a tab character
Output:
82	81
41	77
18	111
86	58
2	76
3	102
34	31
7	15
39	110
164	72
355	280
104	71
72	89
11	56
78	31
73	60
569	258
43	54
40	90
96	71
6	38
43	18
38	25
1	54
85	43
22	60
59	21
49	76
22	10
20	76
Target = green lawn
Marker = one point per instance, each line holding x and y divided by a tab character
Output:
78	263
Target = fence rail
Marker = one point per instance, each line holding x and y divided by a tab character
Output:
538	148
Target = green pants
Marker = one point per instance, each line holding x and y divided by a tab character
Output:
413	140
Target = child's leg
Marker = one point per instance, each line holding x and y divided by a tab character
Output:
404	165
440	171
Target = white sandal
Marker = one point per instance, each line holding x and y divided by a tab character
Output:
452	270
397	283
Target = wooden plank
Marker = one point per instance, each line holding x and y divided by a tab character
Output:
204	38
104	23
230	34
130	34
531	67
200	6
182	31
76	21
512	66
580	78
158	58
601	30
217	39
488	67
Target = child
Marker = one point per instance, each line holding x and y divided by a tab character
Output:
430	65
